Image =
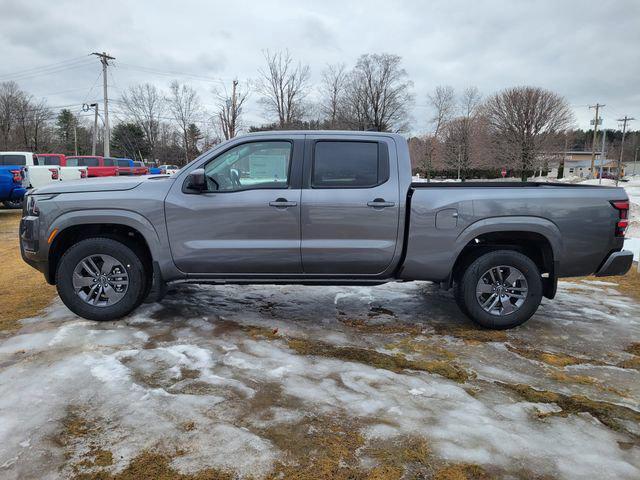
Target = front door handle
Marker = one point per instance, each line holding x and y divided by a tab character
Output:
282	203
380	203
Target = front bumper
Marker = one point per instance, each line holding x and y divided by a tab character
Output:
618	263
30	247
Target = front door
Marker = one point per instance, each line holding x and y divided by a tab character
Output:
350	210
248	219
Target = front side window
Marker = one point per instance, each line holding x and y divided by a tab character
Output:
250	165
346	164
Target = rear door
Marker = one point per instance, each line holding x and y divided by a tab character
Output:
350	205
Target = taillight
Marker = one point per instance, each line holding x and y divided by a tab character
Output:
54	173
17	175
623	216
83	174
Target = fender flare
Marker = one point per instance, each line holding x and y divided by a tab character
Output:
110	216
530	224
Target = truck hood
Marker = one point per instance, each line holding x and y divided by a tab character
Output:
100	184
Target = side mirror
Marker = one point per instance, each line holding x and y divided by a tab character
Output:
196	180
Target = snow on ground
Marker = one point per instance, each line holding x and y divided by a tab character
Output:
219	372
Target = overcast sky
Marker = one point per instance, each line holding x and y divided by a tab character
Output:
587	51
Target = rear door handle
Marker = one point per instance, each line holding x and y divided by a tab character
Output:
282	203
380	203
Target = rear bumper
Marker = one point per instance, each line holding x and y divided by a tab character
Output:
18	193
618	263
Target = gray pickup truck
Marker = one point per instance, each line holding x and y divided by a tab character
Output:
319	208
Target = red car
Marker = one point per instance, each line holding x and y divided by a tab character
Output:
140	168
96	166
125	165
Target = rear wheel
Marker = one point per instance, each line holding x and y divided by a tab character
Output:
101	279
12	203
500	289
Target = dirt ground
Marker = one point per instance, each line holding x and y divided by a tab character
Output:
274	382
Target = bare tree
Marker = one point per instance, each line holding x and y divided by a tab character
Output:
146	105
333	90
283	85
379	93
443	103
185	108
524	119
230	106
461	134
10	95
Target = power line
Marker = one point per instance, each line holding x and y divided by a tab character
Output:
42	73
44	67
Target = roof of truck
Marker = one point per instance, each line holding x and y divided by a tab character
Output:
321	132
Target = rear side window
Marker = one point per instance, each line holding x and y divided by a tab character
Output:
48	160
138	164
82	162
123	163
13	160
345	164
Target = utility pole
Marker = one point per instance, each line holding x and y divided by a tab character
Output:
233	109
75	137
104	59
624	132
95	128
594	144
602	154
635	160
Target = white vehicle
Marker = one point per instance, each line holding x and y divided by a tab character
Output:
168	169
35	175
66	172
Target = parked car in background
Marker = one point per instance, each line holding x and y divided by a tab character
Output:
97	166
11	189
153	167
139	168
321	208
125	165
34	175
169	169
66	172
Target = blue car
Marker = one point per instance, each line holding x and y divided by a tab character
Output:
11	190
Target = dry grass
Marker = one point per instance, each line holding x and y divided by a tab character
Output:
555	359
612	415
23	290
395	363
628	284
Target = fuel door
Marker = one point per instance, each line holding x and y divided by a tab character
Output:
447	219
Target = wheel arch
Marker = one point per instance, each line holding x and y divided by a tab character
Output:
130	228
537	238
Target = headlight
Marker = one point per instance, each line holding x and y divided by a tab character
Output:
32	203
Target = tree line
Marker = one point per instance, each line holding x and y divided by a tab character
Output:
521	129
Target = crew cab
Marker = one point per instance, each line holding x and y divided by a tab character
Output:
67	173
11	189
125	165
96	166
320	208
139	168
34	175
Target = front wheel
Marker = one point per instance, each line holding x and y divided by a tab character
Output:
13	204
500	289
101	279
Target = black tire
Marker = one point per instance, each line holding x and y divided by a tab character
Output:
120	251
465	293
13	204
